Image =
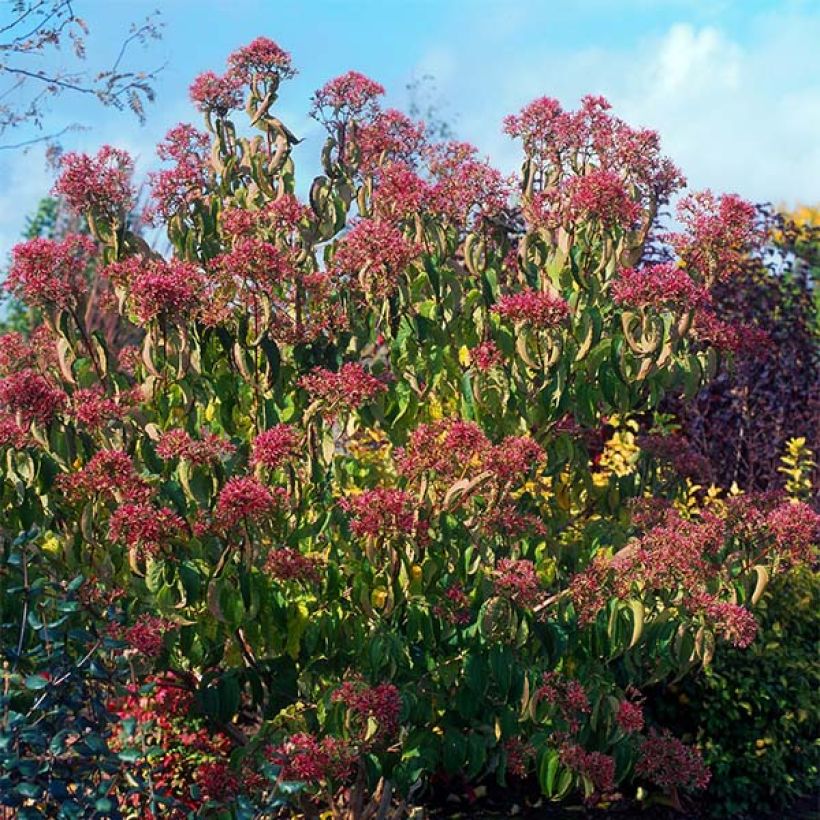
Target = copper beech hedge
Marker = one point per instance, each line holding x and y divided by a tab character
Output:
365	508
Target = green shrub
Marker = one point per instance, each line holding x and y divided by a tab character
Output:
757	710
353	504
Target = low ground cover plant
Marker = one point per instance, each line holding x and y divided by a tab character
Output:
383	497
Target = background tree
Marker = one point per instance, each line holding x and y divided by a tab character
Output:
34	32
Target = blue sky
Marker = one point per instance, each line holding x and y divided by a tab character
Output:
733	86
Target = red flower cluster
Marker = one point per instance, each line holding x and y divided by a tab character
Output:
730	337
563	143
99	185
15	353
276	446
343	391
670	764
209	447
517	581
666	286
465	188
597	766
630	716
380	703
108	474
175	190
399	193
146	635
145	528
486	356
376	254
351	96
31	396
601	195
11	433
733	622
381	513
244	499
520	755
454	606
448	448
288	564
305	758
796	530
720	233
212	93
172	290
390	136
216	781
544	311
48	273
568	696
261	59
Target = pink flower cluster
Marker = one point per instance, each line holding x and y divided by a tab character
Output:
668	763
514	458
446	447
721	231
795	527
601	195
567	695
288	564
108	474
245	500
209	447
351	96
281	216
399	193
517	581
176	189
12	434
380	703
733	622
390	136
375	254
454	605
51	273
381	513
15	353
146	635
464	187
597	766
731	337
99	185
304	757
345	390
520	755
145	528
91	408
486	356
666	286
219	95
31	397
274	447
563	143
543	311
630	716
172	290
262	59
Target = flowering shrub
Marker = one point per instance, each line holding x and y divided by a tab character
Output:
354	494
